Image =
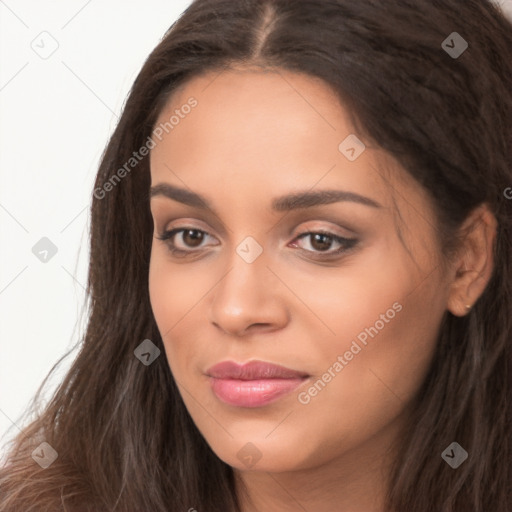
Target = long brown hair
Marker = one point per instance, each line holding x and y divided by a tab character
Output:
124	438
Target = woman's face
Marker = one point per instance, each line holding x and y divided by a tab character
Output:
354	311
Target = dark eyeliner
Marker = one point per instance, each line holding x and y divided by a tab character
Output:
345	243
167	236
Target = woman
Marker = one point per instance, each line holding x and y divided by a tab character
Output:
300	272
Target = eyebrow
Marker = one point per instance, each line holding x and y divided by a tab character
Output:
294	201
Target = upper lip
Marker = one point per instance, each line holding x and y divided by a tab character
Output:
252	370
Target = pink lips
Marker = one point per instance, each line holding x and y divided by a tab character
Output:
253	384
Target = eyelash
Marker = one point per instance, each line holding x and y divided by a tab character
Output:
346	243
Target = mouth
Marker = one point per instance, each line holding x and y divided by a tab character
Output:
253	384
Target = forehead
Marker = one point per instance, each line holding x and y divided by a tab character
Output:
267	131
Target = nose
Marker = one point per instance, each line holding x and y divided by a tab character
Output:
249	298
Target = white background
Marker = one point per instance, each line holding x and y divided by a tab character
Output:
56	115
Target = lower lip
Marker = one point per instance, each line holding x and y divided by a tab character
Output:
252	393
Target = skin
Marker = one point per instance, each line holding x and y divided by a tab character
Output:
255	136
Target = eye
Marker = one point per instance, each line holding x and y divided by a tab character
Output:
321	242
187	240
191	238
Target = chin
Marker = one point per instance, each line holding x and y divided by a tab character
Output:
265	456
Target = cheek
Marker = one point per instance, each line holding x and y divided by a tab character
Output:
377	384
386	326
174	293
383	314
175	289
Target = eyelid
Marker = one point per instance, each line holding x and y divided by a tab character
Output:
346	244
168	234
328	227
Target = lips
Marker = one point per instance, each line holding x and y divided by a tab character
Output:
253	370
253	384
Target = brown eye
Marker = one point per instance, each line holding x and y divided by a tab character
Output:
321	242
324	244
183	241
192	237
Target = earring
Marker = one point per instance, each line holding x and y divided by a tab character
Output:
468	306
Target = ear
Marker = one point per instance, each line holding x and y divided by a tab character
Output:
472	268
